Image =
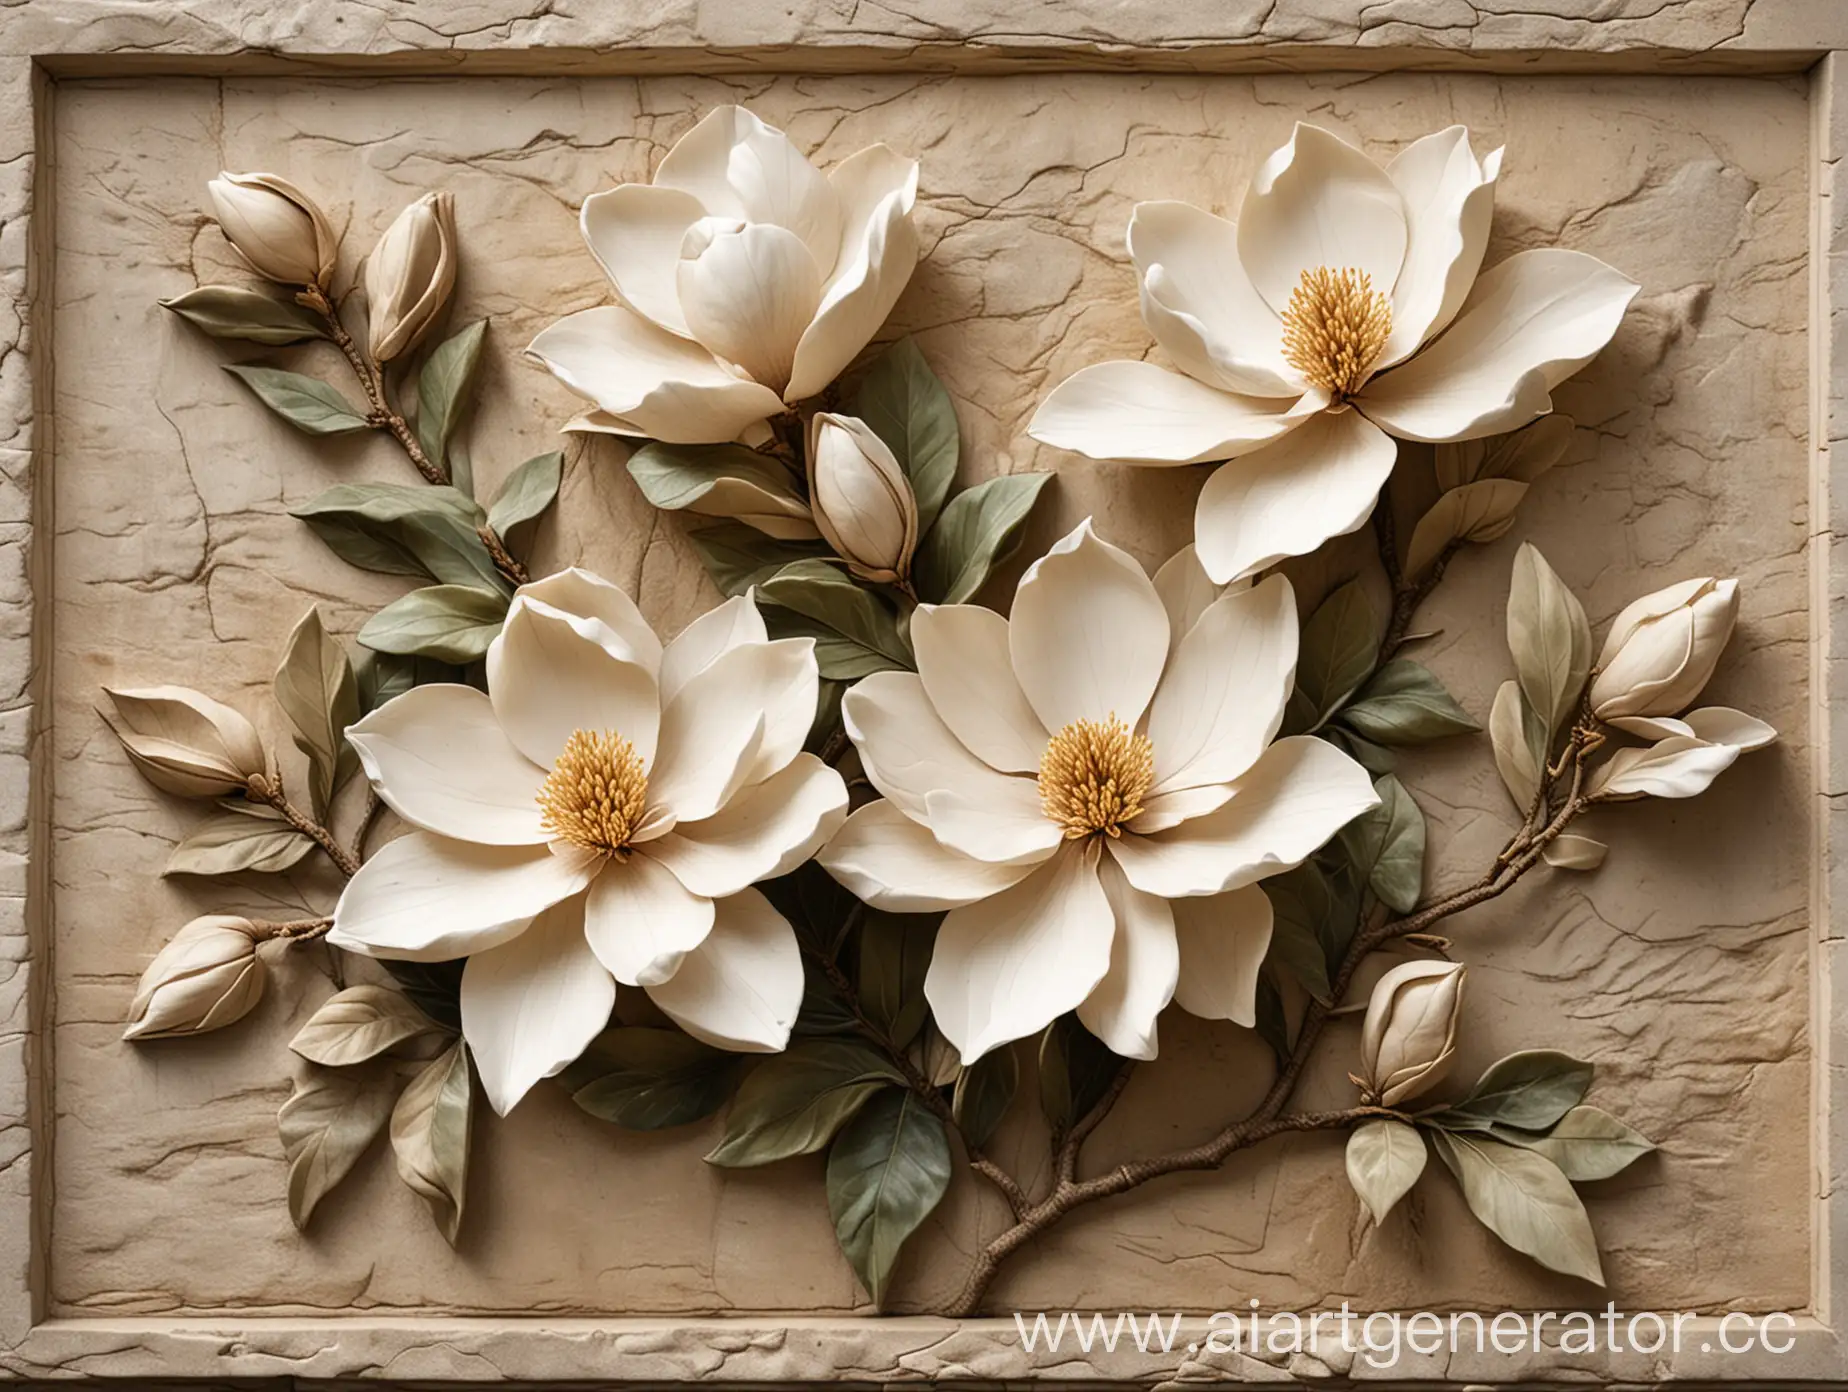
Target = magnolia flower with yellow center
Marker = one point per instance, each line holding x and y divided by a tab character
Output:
599	816
1093	789
1342	309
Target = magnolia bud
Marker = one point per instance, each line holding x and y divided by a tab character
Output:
411	274
186	743
1663	648
208	976
861	499
276	227
1410	1034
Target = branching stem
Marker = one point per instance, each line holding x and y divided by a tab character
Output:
261	789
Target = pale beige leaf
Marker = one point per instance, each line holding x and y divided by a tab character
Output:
1575	853
1549	638
360	1023
1384	1159
1587	1143
1475	512
1523	455
326	1125
1524	1199
316	690
1512	728
430	1129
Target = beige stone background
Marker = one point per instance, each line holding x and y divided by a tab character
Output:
1679	967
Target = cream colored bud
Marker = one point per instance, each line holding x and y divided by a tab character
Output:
1663	648
861	499
185	742
275	227
208	976
411	275
1410	1035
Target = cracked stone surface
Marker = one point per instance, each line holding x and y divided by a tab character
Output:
1680	967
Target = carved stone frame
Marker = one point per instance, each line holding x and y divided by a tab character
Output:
47	40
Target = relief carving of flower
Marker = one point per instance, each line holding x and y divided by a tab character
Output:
1342	309
600	815
748	280
1091	788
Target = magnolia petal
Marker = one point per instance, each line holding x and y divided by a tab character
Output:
1317	201
635	232
742	987
439	759
650	381
532	1005
1724	725
1144	965
1139	413
551	673
1223	940
1185	589
1449	198
702	642
765	831
1088	635
905	747
1319	481
1528	324
588	595
878	189
424	898
1200	305
640	920
1005	824
1163	810
1653	727
1681	766
1221	700
967	674
893	862
1006	967
712	720
1298	794
737	166
748	293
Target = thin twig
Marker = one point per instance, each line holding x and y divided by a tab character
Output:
383	415
296	930
260	789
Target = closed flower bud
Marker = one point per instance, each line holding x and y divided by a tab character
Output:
410	275
208	976
1663	648
275	227
1410	1034
861	499
186	743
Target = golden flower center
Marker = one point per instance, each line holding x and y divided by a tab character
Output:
596	793
1334	328
1093	776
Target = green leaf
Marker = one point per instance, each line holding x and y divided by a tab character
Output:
328	1122
1586	1143
1404	704
1299	901
1523	1199
311	406
357	1024
722	481
793	1102
1387	846
977	530
317	691
233	311
244	837
887	1170
442	389
984	1092
433	987
1531	1090
399	529
649	1079
1384	1159
894	955
1549	638
379	677
452	623
907	407
825	1010
527	493
855	631
1273	1025
738	557
430	1131
1374	758
1339	646
1076	1069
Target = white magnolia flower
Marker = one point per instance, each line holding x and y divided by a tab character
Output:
748	280
599	816
1091	789
1341	309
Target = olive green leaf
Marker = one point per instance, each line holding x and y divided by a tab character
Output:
1273	1024
1339	646
1549	638
1531	1090
894	955
1403	704
359	1023
738	556
442	389
855	630
646	1079
245	836
977	530
328	1122
793	1102
311	406
1301	901
722	481
451	623
430	1130
1586	1143
433	987
234	311
1474	512
399	529
984	1091
888	1168
1523	1199
907	407
378	677
1076	1069
317	691
527	493
1387	846
1384	1159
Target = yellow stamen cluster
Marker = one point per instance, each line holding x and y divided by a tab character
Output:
1334	328
596	793
1093	776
